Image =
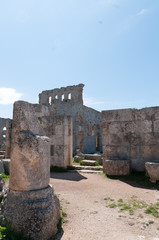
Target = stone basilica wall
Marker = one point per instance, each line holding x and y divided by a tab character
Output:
131	134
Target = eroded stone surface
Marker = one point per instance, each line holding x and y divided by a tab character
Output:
6	165
35	213
30	205
131	134
152	170
116	167
30	155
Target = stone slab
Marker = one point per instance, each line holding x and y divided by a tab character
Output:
88	162
116	167
152	170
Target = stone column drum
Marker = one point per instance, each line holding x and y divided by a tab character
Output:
31	205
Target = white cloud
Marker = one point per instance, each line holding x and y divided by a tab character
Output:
91	101
142	12
9	95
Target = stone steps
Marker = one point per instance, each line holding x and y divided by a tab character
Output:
88	162
89	169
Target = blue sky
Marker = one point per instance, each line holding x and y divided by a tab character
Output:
112	46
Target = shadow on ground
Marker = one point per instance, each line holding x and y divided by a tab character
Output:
70	176
59	235
137	179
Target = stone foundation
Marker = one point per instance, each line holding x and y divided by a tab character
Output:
35	213
116	167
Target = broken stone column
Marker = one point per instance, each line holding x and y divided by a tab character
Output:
31	205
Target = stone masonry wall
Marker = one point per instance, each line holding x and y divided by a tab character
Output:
68	101
59	130
131	134
3	123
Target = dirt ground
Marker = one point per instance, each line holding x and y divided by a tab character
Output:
85	199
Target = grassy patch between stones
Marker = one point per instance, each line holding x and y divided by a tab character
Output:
7	233
133	204
5	176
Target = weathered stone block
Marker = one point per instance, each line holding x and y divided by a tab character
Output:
116	167
6	164
1	166
30	155
35	213
152	170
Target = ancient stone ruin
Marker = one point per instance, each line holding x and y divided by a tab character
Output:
31	205
128	137
86	121
132	136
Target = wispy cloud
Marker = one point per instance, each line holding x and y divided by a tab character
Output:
91	101
9	95
142	12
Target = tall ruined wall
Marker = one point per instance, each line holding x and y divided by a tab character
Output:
131	134
70	93
86	126
3	123
68	101
59	130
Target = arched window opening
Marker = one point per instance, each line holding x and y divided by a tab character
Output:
50	100
4	129
98	142
56	96
62	97
80	118
98	126
93	130
69	96
87	130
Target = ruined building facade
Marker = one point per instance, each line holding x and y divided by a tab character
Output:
68	102
4	123
67	122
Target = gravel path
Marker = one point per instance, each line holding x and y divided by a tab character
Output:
88	217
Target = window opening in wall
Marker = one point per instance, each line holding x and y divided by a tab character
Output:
87	130
62	97
69	96
50	98
4	129
80	118
98	127
56	96
52	150
93	130
98	142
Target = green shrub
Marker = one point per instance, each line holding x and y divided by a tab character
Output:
7	233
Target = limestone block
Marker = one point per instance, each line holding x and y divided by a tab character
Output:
116	167
1	182
6	164
35	213
118	115
30	155
1	166
152	169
